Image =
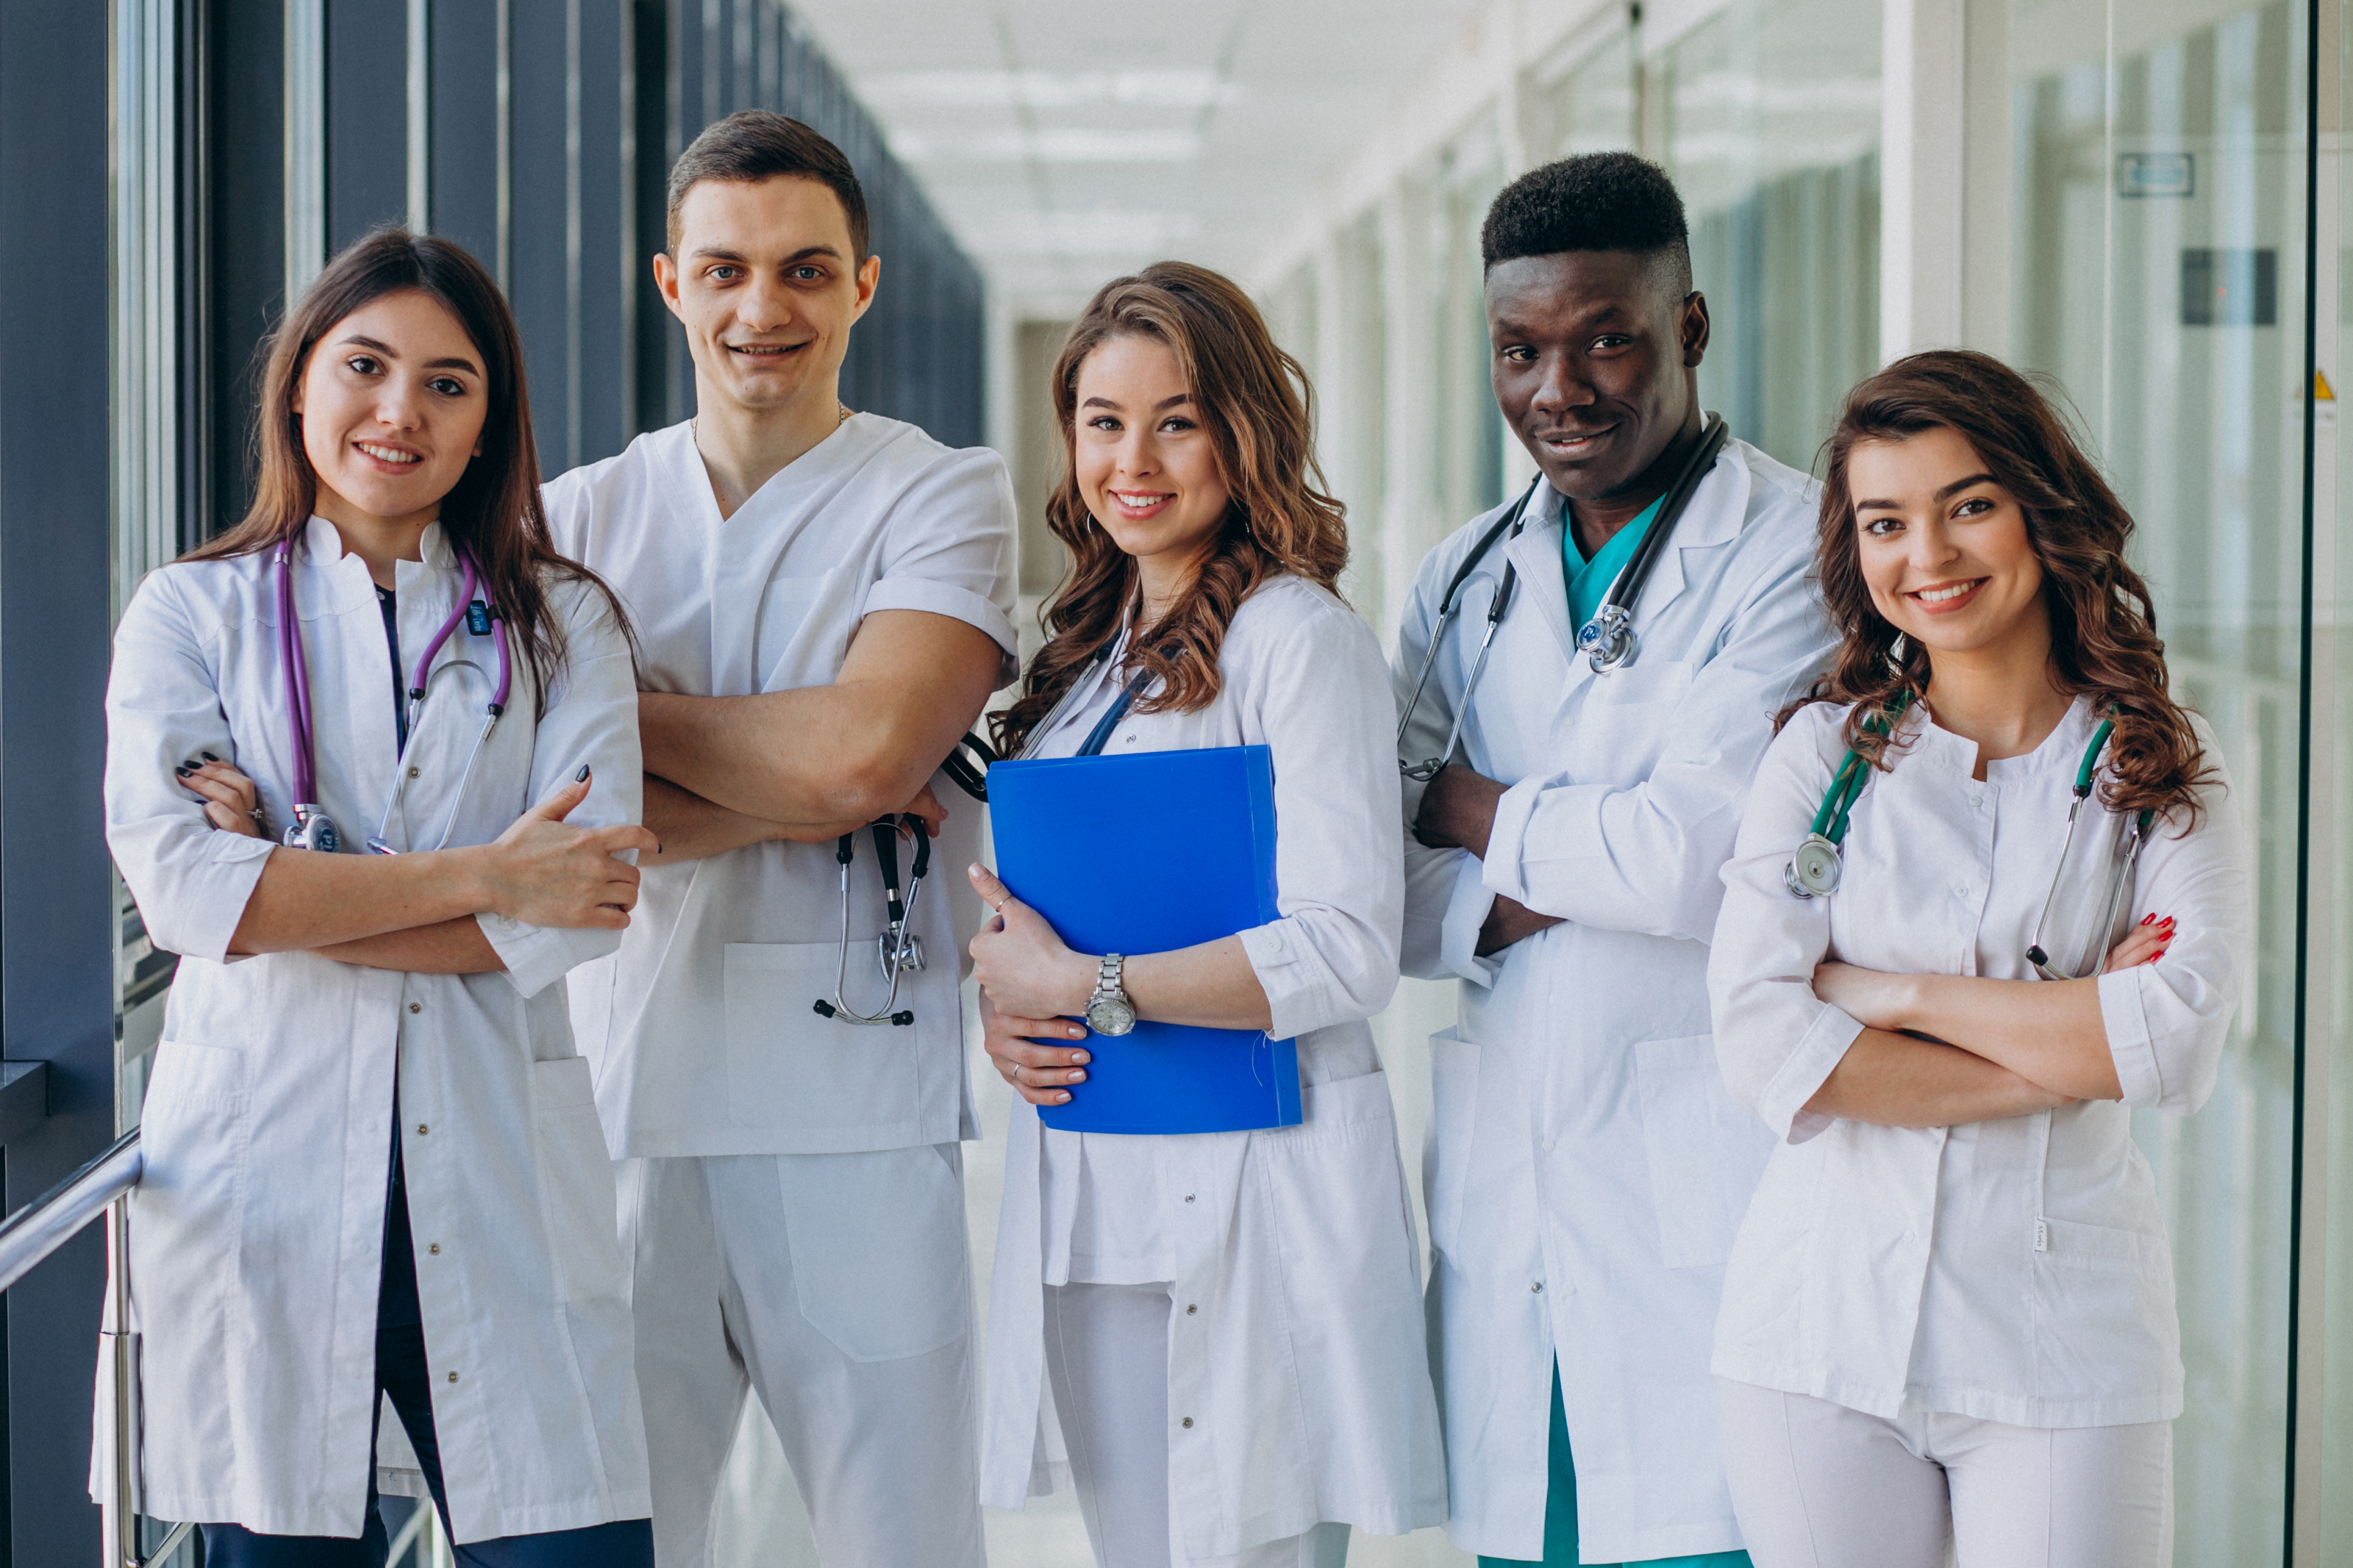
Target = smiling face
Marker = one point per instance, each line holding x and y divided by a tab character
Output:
1943	547
767	288
392	405
1594	353
1145	460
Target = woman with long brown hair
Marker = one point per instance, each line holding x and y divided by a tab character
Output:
373	1168
1989	897
1228	1323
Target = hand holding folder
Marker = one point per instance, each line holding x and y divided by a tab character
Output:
1146	853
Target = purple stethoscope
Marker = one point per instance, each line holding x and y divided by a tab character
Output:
312	828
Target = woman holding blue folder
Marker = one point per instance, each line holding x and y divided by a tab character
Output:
1229	1324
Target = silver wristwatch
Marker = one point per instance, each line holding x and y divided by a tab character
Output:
1109	1011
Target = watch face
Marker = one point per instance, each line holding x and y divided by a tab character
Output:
1110	1016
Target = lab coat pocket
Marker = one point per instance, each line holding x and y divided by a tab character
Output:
1628	716
1446	1146
879	1259
2103	1298
575	1182
1704	1155
1335	1192
789	1068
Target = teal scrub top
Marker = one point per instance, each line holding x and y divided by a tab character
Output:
1589	581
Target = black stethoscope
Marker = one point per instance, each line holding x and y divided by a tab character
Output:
2070	941
1606	640
898	949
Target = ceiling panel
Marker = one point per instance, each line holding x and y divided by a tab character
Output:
1067	142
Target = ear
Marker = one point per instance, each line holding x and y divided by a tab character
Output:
666	282
1695	328
869	273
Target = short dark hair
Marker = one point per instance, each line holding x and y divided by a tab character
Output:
754	145
1595	201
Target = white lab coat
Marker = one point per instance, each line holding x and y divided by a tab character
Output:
1585	1167
1302	1381
2013	1270
257	1233
700	1027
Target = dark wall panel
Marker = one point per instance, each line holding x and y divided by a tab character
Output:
367	118
245	50
539	280
464	131
602	377
56	963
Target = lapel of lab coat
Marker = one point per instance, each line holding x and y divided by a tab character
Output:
1717	509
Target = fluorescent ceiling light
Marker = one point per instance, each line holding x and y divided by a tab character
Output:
1074	144
1047	89
1099	232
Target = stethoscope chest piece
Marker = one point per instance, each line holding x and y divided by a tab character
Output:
1608	639
314	829
1813	871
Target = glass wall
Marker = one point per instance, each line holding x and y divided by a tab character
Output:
2157	237
1771	112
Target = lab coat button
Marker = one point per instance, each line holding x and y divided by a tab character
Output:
416	1007
1537	1288
1907	1234
453	1377
435	1249
1188	1198
422	1129
411	772
1191	1308
1189	1421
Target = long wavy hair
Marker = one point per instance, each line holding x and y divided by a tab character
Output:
1258	407
492	515
2104	640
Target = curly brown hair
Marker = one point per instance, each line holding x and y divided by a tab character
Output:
1259	409
2104	640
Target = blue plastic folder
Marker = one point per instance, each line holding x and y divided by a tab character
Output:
1142	854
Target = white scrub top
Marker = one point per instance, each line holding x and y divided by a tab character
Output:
1298	1384
1586	1166
2013	1270
703	1027
257	1233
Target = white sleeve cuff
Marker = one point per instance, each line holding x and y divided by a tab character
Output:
929	594
1274	950
1501	867
213	896
1466	913
2128	1041
538	956
1783	1104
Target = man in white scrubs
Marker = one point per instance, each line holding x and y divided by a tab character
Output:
1587	1168
822	602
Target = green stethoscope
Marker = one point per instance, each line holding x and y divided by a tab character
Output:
2088	902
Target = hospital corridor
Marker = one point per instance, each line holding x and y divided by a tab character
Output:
1558	399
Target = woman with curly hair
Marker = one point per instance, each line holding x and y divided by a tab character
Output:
1229	1323
1989	897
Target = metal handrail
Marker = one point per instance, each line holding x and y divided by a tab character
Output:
27	1237
50	1221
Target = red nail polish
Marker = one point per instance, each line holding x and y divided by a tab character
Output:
2148	917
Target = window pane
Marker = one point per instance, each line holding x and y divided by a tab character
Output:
2157	235
1773	136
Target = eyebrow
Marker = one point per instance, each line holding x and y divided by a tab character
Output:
1586	323
388	352
1947	493
1164	403
720	253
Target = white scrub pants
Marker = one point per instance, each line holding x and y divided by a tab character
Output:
1107	1360
1818	1485
838	1287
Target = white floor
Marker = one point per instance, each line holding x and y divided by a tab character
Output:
762	1525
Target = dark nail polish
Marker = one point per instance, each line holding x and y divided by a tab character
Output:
184	772
209	757
582	776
